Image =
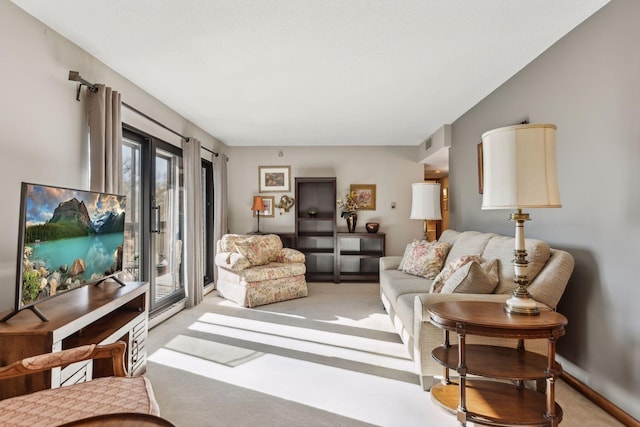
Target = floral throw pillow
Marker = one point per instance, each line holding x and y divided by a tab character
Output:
451	268
473	278
425	259
407	252
253	249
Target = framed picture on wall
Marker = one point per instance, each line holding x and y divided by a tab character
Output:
368	193
274	179
268	207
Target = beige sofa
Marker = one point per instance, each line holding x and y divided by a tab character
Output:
406	297
255	270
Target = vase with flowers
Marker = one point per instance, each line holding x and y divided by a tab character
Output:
350	205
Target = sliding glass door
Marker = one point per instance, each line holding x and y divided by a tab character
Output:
153	179
167	227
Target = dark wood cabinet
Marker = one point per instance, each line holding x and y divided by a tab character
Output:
315	234
359	256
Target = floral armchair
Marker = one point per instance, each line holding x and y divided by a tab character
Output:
255	270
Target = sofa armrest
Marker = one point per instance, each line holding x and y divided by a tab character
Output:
549	285
290	256
390	262
232	261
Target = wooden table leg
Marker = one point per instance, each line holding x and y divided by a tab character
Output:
462	387
551	380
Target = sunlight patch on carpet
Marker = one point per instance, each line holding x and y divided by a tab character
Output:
330	344
224	354
320	386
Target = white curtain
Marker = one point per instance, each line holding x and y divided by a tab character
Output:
105	139
194	261
220	222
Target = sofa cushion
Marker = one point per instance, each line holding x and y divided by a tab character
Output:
538	253
394	283
449	269
470	243
404	309
425	259
473	278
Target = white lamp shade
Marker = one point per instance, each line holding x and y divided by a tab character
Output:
425	201
519	167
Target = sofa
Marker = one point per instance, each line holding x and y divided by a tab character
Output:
254	270
407	296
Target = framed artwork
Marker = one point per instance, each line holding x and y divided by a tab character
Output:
480	170
274	179
268	207
366	192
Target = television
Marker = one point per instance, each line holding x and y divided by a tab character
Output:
67	239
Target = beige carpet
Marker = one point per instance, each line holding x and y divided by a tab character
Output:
331	359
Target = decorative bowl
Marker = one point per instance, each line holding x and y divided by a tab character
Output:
312	212
372	227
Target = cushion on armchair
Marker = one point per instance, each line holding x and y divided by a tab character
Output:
232	261
253	250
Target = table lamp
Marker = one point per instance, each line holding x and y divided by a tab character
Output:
258	206
519	167
425	203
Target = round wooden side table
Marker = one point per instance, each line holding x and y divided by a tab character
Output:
506	401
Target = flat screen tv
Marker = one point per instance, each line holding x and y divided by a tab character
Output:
67	239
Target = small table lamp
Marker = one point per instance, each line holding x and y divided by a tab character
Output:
425	203
258	206
519	167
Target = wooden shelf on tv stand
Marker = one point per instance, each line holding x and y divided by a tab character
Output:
104	313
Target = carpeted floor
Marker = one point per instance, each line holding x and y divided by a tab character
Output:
330	359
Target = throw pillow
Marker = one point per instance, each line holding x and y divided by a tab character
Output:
232	261
473	278
407	252
451	268
425	259
252	250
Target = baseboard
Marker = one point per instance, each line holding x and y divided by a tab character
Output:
600	401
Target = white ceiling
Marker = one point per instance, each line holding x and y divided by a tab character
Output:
315	72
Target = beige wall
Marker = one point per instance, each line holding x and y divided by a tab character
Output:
588	84
42	126
392	169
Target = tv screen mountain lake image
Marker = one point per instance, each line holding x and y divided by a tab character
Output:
71	238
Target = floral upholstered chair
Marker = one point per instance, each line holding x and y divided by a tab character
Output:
255	270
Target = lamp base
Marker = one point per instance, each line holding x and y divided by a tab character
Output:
521	303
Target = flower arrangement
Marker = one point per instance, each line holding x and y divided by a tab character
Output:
351	203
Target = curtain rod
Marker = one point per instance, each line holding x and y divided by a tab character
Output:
75	76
